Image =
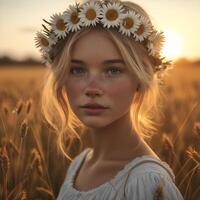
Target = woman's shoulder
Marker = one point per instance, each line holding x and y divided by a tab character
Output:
147	175
150	164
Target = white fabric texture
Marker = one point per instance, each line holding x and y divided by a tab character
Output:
138	180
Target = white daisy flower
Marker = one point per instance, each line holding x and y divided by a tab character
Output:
111	14
144	29
90	13
43	42
59	25
155	43
72	18
130	23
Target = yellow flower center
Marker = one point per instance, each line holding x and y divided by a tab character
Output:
44	42
111	14
128	23
74	18
91	14
140	30
60	25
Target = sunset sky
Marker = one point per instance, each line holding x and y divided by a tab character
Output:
20	19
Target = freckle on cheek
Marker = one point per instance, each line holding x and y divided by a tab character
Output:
120	88
121	92
74	89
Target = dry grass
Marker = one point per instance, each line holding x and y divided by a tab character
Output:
29	155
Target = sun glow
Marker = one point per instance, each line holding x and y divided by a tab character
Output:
172	46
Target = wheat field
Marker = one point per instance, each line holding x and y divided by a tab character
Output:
28	151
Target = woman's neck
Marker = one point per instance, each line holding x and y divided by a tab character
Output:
119	139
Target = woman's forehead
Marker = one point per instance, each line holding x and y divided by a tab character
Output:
104	62
95	44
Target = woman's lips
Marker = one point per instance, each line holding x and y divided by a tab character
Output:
94	110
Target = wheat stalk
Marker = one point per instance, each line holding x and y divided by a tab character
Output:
3	124
4	166
185	122
188	173
196	129
6	110
168	150
23	132
45	193
36	162
159	193
21	196
11	147
27	176
193	154
188	183
19	107
24	128
42	157
28	106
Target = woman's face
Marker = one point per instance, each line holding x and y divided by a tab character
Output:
98	75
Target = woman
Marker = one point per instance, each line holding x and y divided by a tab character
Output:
105	70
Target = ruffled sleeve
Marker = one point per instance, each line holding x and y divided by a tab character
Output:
144	187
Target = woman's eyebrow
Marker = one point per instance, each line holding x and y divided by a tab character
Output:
112	61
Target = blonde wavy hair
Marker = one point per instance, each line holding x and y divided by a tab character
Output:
145	108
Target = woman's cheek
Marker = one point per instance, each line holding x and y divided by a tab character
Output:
122	95
121	89
72	92
73	88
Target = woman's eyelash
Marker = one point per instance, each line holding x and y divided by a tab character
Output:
114	69
75	70
109	70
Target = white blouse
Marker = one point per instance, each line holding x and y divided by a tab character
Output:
138	180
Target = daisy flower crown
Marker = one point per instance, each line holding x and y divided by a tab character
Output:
109	14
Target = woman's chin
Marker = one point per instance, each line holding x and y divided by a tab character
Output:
95	123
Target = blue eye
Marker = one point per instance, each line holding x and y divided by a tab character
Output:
114	71
111	71
77	70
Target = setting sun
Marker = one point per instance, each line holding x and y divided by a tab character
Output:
173	45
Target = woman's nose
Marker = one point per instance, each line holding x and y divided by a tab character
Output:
93	88
93	92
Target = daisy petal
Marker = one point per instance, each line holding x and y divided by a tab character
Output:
90	13
156	40
130	23
111	14
144	29
43	42
59	25
72	19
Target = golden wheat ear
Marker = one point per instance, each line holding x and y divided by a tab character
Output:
159	193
